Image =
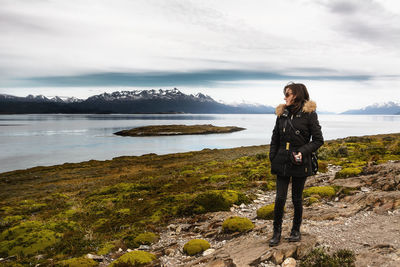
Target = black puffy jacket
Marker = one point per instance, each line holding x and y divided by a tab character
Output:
284	140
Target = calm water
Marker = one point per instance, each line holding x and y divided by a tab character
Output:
33	140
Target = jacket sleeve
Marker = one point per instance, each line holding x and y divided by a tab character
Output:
317	139
274	146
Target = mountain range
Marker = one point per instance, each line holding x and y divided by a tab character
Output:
388	108
152	101
137	101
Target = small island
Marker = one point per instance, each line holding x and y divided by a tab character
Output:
168	130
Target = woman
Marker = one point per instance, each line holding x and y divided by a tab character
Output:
290	154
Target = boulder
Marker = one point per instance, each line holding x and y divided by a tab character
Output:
284	250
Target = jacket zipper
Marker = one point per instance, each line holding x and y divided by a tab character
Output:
284	166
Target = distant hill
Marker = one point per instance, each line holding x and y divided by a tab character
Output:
137	101
388	108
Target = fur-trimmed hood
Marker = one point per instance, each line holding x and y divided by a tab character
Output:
308	107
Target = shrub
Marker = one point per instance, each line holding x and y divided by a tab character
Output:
237	224
134	258
147	238
196	246
79	262
217	200
261	156
348	172
268	185
27	239
216	178
106	248
342	151
322	166
322	191
266	212
312	200
319	257
188	173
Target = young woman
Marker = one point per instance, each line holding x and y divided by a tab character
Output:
290	154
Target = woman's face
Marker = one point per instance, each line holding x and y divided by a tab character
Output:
289	97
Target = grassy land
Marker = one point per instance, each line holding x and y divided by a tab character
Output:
158	130
69	210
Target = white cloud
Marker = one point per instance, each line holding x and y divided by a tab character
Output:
314	37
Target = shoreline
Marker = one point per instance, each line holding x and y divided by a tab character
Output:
177	153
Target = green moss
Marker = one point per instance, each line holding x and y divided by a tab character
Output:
348	190
8	220
217	200
319	257
147	238
212	163
100	224
62	226
196	246
323	191
11	264
106	248
312	200
30	206
217	178
79	262
188	173
7	209
134	258
266	212
124	211
27	239
348	172
269	185
237	224
258	173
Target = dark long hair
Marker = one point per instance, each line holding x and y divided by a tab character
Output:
300	94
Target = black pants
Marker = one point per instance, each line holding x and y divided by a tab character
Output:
282	184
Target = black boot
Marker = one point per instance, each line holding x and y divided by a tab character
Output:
276	237
295	236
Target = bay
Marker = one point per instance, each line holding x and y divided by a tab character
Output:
47	139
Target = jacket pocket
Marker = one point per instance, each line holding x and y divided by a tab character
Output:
277	163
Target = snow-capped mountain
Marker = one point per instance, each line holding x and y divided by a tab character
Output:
387	108
253	105
149	94
39	98
137	101
65	99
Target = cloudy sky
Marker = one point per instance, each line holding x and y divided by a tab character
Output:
346	52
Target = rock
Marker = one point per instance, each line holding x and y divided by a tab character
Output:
171	227
169	251
221	263
364	189
208	252
129	250
120	250
95	257
288	250
384	208
37	257
178	229
289	262
144	247
277	257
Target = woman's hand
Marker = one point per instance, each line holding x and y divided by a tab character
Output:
300	156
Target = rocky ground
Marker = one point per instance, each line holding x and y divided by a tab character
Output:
365	220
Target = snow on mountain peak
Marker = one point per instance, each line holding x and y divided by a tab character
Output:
149	94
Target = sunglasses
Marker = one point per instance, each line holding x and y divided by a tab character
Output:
287	94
